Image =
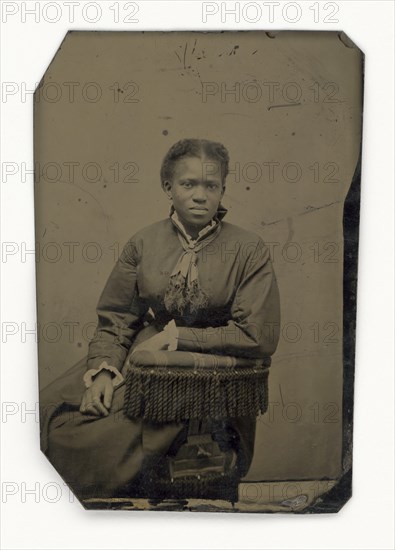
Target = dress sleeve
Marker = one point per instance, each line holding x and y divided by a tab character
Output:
120	312
90	374
253	330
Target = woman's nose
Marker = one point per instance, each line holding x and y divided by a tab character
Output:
199	193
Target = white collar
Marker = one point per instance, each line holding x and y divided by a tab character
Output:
181	227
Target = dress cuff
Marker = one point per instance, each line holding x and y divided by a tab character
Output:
171	332
116	380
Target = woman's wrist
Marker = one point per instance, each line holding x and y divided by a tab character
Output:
105	368
103	374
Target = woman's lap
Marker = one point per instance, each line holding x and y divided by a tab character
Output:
97	455
104	454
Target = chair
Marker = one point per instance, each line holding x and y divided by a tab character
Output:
202	390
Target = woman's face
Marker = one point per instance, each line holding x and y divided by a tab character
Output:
196	190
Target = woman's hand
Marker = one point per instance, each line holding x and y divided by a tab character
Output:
98	397
154	343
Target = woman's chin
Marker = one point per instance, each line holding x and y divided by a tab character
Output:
200	217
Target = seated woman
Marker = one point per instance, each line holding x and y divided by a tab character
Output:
191	282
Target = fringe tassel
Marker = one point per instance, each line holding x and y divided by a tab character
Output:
180	297
164	395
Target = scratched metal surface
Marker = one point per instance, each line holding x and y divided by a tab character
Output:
183	85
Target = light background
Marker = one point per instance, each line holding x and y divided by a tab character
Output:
373	445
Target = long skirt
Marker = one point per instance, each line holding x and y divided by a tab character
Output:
106	456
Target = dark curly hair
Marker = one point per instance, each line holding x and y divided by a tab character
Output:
194	148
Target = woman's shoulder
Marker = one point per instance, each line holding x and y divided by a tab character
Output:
154	231
156	234
235	232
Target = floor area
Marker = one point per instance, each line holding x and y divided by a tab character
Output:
272	496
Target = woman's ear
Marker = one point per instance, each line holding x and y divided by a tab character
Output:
166	186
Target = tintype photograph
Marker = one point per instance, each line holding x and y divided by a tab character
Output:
197	204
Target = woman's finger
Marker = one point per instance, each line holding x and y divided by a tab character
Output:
100	407
87	405
108	393
84	403
91	403
95	404
91	409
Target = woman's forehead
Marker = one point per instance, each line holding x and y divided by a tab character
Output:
198	167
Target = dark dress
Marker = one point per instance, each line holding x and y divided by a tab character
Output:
103	456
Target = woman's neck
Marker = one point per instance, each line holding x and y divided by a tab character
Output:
191	230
